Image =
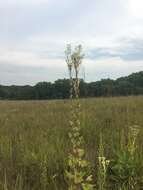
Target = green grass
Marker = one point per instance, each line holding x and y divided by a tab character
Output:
34	141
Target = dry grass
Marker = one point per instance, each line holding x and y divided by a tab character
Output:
34	140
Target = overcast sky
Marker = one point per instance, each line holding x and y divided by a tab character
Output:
34	34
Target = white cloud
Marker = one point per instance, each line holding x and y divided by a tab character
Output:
110	68
34	34
29	59
135	8
24	2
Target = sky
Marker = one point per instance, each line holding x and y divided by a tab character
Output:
34	34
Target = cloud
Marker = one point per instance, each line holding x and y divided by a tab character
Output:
23	74
34	34
110	68
28	68
28	59
129	49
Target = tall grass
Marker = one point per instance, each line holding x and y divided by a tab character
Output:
34	142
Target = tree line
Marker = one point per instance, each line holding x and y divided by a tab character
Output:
124	86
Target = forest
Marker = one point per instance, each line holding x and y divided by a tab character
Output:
123	86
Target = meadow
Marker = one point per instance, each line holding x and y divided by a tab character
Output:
34	142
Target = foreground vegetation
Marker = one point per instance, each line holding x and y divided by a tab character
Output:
34	143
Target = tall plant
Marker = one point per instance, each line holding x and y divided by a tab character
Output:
78	167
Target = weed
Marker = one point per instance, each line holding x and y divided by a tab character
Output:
78	176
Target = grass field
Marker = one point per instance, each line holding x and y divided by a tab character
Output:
34	141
